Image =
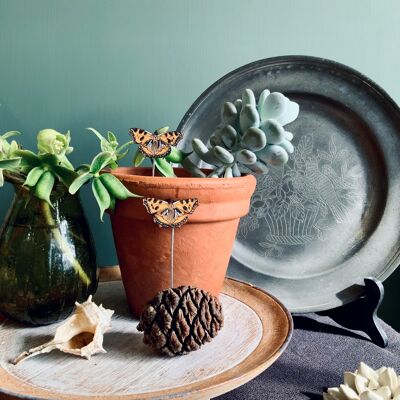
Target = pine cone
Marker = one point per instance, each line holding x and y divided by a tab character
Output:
179	320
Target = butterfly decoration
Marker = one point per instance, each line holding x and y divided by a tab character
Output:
170	214
155	145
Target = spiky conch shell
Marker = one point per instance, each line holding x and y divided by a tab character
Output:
180	320
80	335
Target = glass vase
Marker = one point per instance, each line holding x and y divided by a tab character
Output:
47	257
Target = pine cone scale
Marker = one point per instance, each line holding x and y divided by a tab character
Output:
180	320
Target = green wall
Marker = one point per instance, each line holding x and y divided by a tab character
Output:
70	64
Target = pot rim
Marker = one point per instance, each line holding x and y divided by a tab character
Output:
126	174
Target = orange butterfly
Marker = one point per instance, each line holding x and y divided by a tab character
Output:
170	215
155	145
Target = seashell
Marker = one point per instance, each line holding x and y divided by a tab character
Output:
80	335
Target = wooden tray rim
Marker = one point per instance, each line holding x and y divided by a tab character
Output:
254	364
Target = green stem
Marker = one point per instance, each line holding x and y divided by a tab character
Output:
63	245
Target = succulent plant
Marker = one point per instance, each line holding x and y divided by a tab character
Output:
251	133
367	384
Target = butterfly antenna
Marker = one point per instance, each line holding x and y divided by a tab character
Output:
172	256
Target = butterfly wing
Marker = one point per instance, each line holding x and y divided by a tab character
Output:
150	144
140	136
170	215
170	138
177	215
186	206
175	222
160	149
155	206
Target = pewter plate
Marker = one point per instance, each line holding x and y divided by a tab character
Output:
330	217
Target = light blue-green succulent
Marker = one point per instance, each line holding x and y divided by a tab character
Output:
251	133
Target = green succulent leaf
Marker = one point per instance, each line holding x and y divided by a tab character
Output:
9	134
97	133
28	158
122	155
105	146
101	195
111	137
79	182
49	160
176	156
44	186
113	165
228	172
124	146
65	175
162	130
100	161
83	169
192	168
115	187
1	178
164	167
33	176
53	142
10	163
138	158
112	203
223	155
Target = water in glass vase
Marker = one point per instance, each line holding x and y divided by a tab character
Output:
47	257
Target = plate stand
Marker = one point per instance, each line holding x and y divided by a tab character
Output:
361	314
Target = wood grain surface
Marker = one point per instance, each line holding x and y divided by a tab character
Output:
257	329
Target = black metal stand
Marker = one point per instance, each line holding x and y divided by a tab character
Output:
361	315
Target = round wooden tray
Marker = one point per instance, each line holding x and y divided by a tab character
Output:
257	330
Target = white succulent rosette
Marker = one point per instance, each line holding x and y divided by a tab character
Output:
367	384
251	133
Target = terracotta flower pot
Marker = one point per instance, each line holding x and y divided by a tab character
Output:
202	246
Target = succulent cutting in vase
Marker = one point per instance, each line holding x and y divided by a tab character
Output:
46	224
